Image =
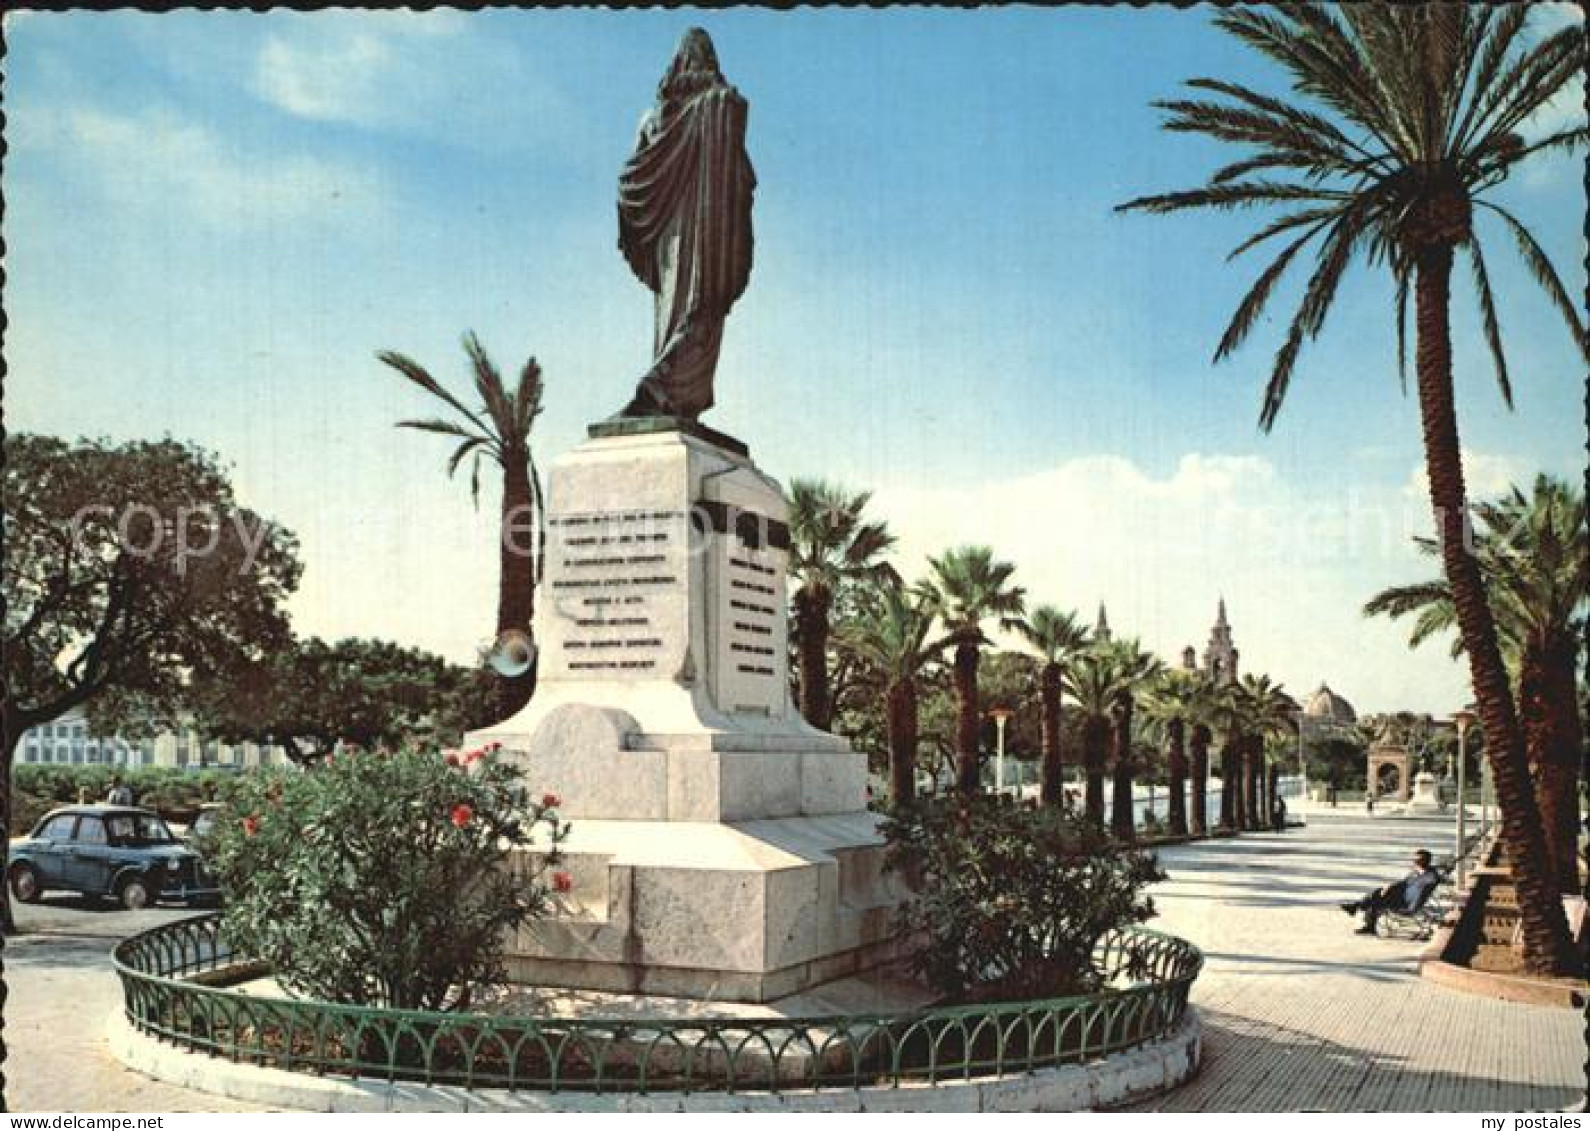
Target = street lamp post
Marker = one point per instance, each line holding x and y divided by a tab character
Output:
1000	715
1463	719
1302	756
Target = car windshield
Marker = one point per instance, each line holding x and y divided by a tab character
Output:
139	828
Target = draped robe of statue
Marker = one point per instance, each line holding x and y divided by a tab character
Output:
684	223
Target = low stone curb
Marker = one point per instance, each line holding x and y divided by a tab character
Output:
1111	1082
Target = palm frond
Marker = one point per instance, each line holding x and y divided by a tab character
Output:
418	375
1285	223
1488	320
461	451
1501	40
1545	274
1333	259
1243	194
489	386
440	427
1253	303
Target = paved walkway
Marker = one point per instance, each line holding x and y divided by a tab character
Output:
1299	1013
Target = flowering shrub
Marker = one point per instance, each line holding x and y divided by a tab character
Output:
379	879
1011	900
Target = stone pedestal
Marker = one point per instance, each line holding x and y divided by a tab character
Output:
1426	794
721	845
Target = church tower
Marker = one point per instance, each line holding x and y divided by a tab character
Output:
1220	657
1101	630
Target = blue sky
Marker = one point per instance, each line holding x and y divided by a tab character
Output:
215	219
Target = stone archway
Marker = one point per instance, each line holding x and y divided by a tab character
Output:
1388	764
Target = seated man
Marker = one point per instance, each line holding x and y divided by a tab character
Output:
1404	895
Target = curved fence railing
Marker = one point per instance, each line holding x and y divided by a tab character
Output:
164	975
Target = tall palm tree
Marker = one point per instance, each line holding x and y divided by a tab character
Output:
1090	680
831	546
889	633
1417	115
967	587
1225	713
1268	712
1201	713
1057	637
1172	705
1135	671
1534	554
499	431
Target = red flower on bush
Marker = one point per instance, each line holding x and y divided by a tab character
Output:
550	801
451	758
463	813
250	825
562	882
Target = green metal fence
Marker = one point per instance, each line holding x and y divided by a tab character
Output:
164	974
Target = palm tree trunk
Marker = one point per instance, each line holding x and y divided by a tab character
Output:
1547	946
1177	759
968	722
1200	780
1229	790
1554	737
811	625
1252	777
1122	822
1052	786
516	574
902	721
1095	733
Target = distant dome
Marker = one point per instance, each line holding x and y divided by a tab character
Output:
1326	705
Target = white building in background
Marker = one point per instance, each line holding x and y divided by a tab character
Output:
68	741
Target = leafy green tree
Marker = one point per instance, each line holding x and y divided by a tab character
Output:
1012	900
968	587
130	570
388	879
498	431
1534	555
833	547
312	696
1056	637
1408	116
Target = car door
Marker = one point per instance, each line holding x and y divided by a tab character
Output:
53	841
88	861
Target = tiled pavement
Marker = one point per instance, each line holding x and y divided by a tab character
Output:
1299	1013
1302	1014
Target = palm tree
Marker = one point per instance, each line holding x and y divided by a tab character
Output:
1202	710
1057	637
889	633
1268	711
967	586
1134	671
1225	712
1416	117
831	546
499	430
1172	705
1534	555
1090	680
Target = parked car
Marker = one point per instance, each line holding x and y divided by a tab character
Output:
116	851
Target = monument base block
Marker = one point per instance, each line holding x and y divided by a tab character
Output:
749	911
721	846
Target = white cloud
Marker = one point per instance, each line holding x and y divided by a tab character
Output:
159	160
1295	560
1484	476
429	75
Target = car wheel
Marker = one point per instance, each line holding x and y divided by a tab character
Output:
26	884
136	893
